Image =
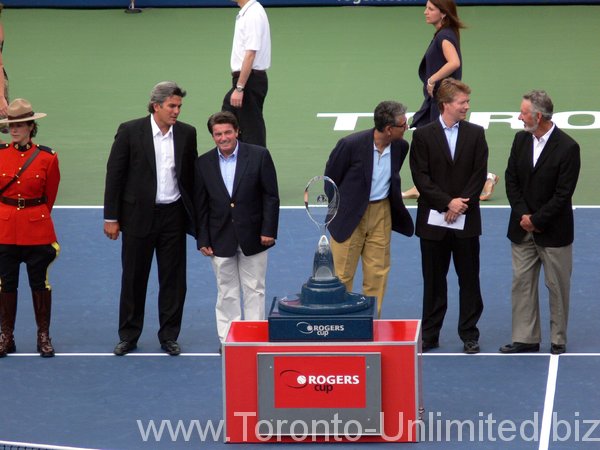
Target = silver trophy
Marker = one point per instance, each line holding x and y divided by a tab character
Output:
321	200
323	293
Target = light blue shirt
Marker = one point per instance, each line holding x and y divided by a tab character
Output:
451	135
382	173
227	166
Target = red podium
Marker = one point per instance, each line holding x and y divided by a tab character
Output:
366	391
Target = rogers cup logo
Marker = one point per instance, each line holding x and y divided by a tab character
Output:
319	330
321	383
302	380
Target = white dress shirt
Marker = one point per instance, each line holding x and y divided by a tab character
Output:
167	190
539	144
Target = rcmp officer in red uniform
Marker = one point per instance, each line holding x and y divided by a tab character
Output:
29	178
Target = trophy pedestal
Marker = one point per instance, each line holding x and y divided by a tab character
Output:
315	324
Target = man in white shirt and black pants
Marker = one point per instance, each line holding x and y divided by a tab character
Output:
250	59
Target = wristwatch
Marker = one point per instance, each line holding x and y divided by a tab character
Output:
239	88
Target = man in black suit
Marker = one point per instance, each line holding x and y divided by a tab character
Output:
149	182
237	215
541	177
366	168
448	161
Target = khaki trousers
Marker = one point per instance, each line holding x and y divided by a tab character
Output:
371	242
527	259
236	276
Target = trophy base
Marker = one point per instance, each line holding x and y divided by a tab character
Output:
320	325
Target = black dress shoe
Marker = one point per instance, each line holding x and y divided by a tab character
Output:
471	347
124	347
429	345
171	347
520	347
558	349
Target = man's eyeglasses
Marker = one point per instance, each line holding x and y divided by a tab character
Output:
402	125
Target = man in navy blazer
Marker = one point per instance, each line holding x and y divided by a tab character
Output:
149	182
237	211
366	168
541	177
448	161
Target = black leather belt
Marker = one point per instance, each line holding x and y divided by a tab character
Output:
21	203
254	71
160	206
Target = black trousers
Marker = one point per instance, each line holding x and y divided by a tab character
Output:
168	240
435	257
37	258
250	115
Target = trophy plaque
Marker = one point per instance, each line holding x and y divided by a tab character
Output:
323	310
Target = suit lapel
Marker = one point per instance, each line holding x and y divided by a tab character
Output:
440	136
215	169
460	139
147	142
178	149
367	158
240	167
548	148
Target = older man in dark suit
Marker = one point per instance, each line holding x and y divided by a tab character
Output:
149	182
366	168
237	211
541	177
448	161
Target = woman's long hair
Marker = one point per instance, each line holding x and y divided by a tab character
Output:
448	7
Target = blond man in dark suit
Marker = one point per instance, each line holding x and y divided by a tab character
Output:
448	161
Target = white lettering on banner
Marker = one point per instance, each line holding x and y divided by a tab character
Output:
562	120
348	121
345	121
435	428
485	118
321	330
333	379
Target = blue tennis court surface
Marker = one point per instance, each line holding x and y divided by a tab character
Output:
87	398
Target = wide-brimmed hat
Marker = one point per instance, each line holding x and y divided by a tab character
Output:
20	110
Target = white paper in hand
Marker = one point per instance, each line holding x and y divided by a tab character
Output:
438	219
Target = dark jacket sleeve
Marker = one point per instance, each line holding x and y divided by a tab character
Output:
117	169
270	196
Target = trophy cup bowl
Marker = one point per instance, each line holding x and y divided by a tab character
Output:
323	293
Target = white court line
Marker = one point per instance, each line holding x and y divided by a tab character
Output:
426	355
508	355
549	402
42	446
138	355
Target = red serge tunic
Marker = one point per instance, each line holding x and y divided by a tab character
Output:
31	225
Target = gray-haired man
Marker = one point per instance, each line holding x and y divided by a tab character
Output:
541	177
149	181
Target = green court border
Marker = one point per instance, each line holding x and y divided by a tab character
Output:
91	69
